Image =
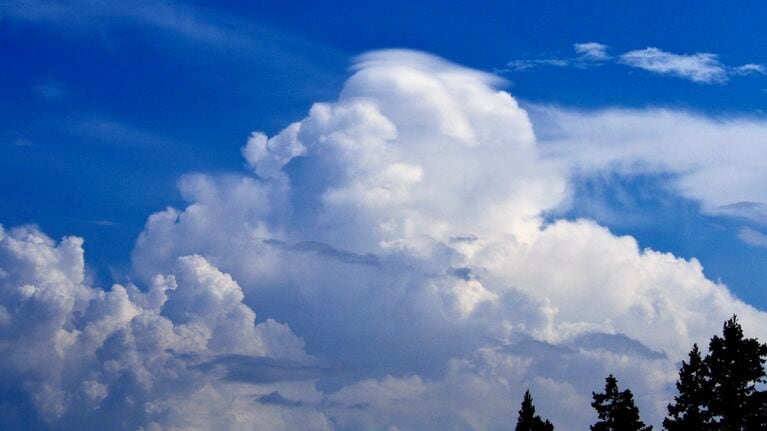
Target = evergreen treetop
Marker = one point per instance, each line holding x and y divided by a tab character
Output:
528	420
689	411
736	366
722	392
616	409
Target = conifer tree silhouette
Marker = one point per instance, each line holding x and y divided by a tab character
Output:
725	390
690	411
616	409
736	369
528	420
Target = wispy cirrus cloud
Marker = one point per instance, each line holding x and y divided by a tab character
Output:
590	54
173	27
702	67
592	51
753	237
749	68
85	15
521	65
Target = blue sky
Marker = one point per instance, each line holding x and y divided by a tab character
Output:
278	158
105	107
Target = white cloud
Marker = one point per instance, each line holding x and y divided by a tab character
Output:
717	162
592	51
399	232
590	54
415	153
88	357
700	67
750	68
268	156
753	237
532	63
752	211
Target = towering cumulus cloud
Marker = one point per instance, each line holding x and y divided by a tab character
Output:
399	232
163	358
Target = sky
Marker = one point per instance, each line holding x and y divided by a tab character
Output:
366	215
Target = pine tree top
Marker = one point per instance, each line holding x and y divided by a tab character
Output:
528	420
616	409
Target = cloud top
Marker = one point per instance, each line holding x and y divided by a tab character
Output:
400	232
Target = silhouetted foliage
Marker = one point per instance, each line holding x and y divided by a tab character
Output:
616	409
736	367
544	426
721	391
724	391
528	420
689	411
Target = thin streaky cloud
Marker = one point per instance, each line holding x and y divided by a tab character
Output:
589	54
50	91
702	67
592	51
753	237
169	16
183	24
747	210
117	134
748	69
522	65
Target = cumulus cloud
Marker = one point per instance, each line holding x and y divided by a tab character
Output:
399	232
88	358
